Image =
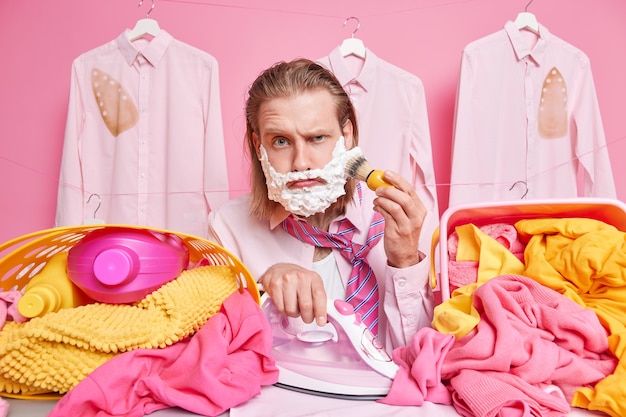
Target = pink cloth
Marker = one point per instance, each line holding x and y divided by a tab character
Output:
391	103
167	167
534	334
461	273
4	407
224	364
8	307
419	374
498	140
503	395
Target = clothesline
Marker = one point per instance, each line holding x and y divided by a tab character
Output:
55	179
296	12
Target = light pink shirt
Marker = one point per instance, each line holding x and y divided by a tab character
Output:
393	123
405	295
161	162
527	118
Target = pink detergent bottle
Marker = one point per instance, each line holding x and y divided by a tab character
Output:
122	265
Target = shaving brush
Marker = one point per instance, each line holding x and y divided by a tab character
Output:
358	167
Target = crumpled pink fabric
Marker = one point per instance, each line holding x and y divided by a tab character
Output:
528	336
4	407
8	307
224	364
461	273
419	375
503	395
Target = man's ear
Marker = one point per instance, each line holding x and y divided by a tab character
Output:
257	145
347	134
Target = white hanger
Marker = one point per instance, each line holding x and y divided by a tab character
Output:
352	45
144	27
527	20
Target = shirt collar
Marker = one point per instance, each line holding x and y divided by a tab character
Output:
152	52
366	77
278	215
353	213
521	46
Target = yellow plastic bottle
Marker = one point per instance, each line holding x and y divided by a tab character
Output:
51	290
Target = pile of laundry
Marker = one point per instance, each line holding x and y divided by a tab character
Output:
532	335
197	342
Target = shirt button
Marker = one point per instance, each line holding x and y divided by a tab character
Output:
401	282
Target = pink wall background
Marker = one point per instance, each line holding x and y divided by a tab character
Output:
39	40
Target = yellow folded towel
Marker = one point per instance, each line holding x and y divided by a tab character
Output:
55	352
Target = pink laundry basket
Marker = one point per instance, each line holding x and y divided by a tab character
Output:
606	210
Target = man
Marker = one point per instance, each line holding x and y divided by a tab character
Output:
306	231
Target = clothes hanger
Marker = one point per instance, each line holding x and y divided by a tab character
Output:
352	45
94	220
527	20
145	27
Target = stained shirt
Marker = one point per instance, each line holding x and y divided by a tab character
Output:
527	118
406	299
144	133
392	116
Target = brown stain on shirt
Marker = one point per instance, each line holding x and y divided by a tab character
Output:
116	106
553	106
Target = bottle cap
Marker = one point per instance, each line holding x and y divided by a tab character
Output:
38	301
116	266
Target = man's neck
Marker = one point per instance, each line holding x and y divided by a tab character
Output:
323	220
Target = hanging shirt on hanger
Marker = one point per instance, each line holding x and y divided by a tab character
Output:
144	132
527	119
394	133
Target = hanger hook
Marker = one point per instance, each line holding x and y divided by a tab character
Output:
526	8
525	188
358	24
99	203
151	7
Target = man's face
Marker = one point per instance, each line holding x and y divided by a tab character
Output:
300	132
302	151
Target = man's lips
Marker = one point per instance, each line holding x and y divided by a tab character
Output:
306	183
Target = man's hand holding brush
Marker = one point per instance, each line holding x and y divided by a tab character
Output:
404	215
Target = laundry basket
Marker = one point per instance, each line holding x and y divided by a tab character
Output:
23	257
609	211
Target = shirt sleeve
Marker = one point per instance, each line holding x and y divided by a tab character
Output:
423	172
69	209
461	167
591	146
215	169
408	302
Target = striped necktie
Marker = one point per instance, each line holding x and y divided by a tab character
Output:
362	287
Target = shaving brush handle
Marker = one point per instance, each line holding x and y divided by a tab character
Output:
375	180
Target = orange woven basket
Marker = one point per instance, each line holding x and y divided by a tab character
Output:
23	257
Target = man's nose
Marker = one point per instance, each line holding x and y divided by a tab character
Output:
301	158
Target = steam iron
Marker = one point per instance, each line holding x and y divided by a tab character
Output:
342	359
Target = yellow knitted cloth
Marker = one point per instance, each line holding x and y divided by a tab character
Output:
55	352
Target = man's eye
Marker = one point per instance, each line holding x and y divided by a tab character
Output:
280	142
318	138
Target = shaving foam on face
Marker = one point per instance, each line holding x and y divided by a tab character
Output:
310	200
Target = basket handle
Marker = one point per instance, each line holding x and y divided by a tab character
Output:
433	247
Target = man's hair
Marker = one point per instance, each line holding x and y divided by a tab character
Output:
285	79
